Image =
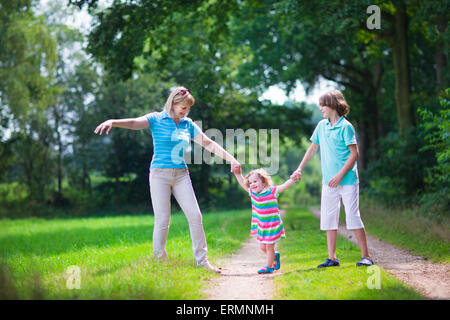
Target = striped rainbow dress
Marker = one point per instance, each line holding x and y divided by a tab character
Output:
266	221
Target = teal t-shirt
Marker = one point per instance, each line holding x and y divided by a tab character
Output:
333	142
170	140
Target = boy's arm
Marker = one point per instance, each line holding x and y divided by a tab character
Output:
289	182
297	175
354	155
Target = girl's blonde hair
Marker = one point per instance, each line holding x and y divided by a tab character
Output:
178	95
263	175
335	100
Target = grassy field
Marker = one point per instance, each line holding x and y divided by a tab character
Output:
305	247
114	258
113	254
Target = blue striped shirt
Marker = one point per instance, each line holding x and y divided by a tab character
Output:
170	140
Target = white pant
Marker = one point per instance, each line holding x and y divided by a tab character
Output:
330	206
164	182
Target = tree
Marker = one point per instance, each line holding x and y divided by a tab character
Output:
124	153
27	61
189	44
68	40
305	42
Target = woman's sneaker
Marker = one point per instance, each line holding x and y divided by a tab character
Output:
329	263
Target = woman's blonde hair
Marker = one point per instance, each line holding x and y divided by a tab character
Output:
335	100
263	175
178	95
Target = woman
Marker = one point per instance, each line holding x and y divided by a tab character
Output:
172	131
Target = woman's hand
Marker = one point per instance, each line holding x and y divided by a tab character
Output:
236	167
107	125
296	175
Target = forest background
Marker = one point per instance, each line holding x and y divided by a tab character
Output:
57	83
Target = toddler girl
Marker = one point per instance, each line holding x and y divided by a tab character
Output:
266	223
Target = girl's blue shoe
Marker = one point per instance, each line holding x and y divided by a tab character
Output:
265	270
276	261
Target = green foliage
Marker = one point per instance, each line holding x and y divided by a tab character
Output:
414	168
398	175
188	45
226	52
305	192
27	61
437	141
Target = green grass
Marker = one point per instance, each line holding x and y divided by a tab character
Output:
409	229
305	247
114	256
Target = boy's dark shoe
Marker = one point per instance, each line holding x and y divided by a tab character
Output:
365	262
329	263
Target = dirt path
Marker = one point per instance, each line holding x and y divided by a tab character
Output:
431	280
239	280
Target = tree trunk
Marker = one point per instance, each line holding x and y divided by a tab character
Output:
117	182
405	113
440	58
60	146
363	144
377	75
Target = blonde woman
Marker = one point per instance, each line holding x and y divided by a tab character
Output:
172	131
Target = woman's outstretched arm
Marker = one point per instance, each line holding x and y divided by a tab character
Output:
212	146
131	123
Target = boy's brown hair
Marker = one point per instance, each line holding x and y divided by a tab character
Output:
334	99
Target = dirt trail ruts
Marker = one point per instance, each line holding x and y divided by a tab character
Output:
430	279
239	279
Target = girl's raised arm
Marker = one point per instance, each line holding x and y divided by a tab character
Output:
131	123
289	182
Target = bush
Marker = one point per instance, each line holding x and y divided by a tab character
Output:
437	141
398	174
413	168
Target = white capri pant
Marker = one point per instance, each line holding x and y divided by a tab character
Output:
331	204
164	182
